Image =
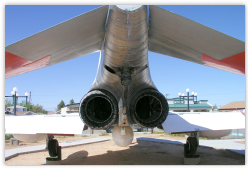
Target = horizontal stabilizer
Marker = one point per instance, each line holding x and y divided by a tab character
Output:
202	121
52	124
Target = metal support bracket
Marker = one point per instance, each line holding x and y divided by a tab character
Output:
55	160
196	135
123	132
190	148
123	121
48	138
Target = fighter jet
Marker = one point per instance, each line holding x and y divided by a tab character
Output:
123	92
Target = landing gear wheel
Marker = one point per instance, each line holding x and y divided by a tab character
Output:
52	148
192	145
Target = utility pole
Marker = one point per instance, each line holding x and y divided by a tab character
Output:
15	104
29	101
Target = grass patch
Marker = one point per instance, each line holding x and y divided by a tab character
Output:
158	132
84	136
163	133
62	137
103	134
202	138
180	134
8	137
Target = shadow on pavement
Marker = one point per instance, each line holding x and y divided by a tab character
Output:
153	153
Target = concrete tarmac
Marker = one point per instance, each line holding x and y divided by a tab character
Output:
14	152
231	144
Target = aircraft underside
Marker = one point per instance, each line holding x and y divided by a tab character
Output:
123	92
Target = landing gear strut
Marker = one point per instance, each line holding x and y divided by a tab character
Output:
190	149
54	151
191	146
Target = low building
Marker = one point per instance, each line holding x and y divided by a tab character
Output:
181	105
233	106
50	112
19	109
70	108
175	105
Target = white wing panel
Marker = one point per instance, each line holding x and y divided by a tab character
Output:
186	122
70	124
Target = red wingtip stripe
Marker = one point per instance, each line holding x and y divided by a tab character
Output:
235	63
15	65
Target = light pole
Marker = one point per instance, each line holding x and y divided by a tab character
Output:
192	95
14	92
188	97
179	96
196	97
26	95
15	95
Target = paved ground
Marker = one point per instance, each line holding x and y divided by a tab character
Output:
9	153
234	145
146	149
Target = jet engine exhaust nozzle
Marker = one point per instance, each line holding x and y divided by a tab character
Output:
149	108
98	109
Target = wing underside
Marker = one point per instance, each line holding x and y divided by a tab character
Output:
73	38
176	36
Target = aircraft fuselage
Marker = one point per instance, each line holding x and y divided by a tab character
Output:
123	73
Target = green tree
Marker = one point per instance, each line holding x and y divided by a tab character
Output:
8	103
71	101
214	107
23	103
33	108
37	109
60	105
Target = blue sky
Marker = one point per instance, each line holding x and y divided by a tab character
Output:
72	79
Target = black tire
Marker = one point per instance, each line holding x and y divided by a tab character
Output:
98	94
163	106
192	145
52	147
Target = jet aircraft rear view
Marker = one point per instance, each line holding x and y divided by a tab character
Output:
123	92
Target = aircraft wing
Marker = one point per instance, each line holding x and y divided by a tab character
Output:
176	36
203	121
48	124
169	34
76	37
